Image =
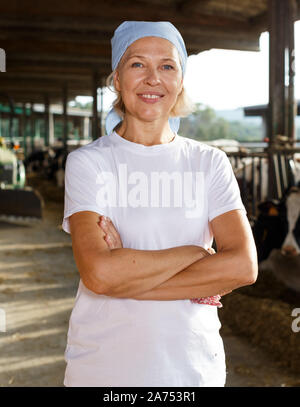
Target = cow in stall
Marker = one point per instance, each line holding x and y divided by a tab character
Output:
49	163
277	237
36	161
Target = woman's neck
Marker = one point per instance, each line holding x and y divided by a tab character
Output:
146	133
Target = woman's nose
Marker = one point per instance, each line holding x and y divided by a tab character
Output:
152	77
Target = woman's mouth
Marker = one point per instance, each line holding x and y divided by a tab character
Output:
150	97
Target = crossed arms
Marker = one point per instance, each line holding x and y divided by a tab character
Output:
177	273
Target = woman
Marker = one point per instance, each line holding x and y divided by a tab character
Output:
163	197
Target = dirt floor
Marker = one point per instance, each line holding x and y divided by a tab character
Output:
38	283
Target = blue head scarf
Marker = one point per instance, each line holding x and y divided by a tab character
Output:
131	31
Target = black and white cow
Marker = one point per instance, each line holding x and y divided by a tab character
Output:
277	236
291	244
49	162
278	226
36	161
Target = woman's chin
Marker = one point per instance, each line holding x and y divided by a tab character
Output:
149	117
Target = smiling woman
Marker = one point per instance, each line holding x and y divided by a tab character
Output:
183	105
143	205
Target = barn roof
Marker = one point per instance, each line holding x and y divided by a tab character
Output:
60	43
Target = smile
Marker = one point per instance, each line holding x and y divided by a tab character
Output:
150	97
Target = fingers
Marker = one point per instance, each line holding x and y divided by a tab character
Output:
110	243
207	252
112	236
107	237
108	227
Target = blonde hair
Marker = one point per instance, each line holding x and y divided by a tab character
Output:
183	106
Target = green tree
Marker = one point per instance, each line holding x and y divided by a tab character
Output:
205	125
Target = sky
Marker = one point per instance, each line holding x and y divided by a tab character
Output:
225	79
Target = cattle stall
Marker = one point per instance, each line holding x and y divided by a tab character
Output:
251	171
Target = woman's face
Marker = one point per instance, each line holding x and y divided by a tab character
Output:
149	77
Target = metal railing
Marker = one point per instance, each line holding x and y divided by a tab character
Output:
252	171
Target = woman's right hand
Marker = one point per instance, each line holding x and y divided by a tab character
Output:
112	237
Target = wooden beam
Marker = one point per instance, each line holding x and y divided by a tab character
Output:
291	110
54	68
102	38
81	25
101	29
260	21
41	87
225	43
59	69
59	59
45	76
63	36
126	10
281	109
188	6
37	46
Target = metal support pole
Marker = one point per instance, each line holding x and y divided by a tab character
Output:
10	123
291	111
32	127
22	129
46	119
281	84
86	121
65	117
101	110
51	129
95	124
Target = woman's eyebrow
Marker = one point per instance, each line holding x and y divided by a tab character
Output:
144	57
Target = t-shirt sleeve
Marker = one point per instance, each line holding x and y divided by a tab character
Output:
80	186
223	189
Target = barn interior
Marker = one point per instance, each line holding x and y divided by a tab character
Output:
55	51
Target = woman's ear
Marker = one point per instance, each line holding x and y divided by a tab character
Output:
117	81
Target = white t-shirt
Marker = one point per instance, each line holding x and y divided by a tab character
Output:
148	192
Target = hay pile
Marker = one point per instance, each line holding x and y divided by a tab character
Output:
262	313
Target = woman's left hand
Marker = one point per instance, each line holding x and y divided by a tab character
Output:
215	299
112	237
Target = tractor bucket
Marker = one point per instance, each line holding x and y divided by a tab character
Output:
25	203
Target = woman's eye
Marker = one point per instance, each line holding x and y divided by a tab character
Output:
168	67
136	65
